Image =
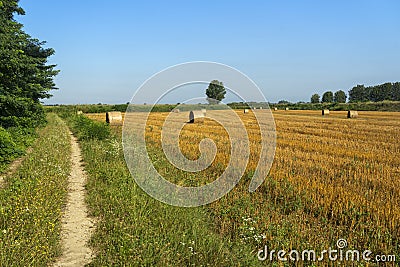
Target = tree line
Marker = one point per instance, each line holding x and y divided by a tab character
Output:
386	91
330	97
360	93
25	79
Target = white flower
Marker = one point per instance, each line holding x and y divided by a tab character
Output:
263	236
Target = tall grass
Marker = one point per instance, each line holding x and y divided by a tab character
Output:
32	199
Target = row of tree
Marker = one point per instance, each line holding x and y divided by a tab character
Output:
360	93
386	91
25	76
330	97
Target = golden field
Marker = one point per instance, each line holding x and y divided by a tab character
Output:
332	178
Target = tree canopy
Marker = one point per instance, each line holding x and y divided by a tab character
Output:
315	98
340	97
25	76
215	92
327	97
386	91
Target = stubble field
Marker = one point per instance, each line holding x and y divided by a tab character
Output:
332	178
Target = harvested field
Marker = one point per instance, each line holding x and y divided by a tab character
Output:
331	178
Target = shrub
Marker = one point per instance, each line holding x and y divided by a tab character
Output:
20	112
87	129
23	137
8	149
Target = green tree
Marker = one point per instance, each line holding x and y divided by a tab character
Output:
327	97
25	76
395	95
215	92
358	94
315	98
340	97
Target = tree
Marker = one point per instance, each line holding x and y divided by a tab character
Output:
340	97
25	77
396	92
327	97
315	98
358	94
376	93
215	92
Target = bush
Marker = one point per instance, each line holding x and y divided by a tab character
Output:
20	112
23	137
8	149
87	129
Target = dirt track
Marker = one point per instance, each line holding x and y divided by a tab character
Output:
76	225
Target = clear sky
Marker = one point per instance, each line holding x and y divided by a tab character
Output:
291	49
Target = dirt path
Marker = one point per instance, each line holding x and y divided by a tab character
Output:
77	226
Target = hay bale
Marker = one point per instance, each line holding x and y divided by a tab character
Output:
204	111
114	118
352	114
325	112
79	112
245	110
287	108
176	110
260	107
275	109
196	116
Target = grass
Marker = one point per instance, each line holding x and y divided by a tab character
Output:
32	199
136	230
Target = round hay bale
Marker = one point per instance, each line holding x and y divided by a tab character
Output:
114	118
352	114
325	112
287	108
176	110
245	110
275	109
260	107
196	116
79	112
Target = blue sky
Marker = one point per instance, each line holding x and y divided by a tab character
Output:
291	49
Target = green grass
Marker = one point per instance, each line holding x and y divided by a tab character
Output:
32	199
136	230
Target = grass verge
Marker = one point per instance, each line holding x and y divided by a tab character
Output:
32	199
